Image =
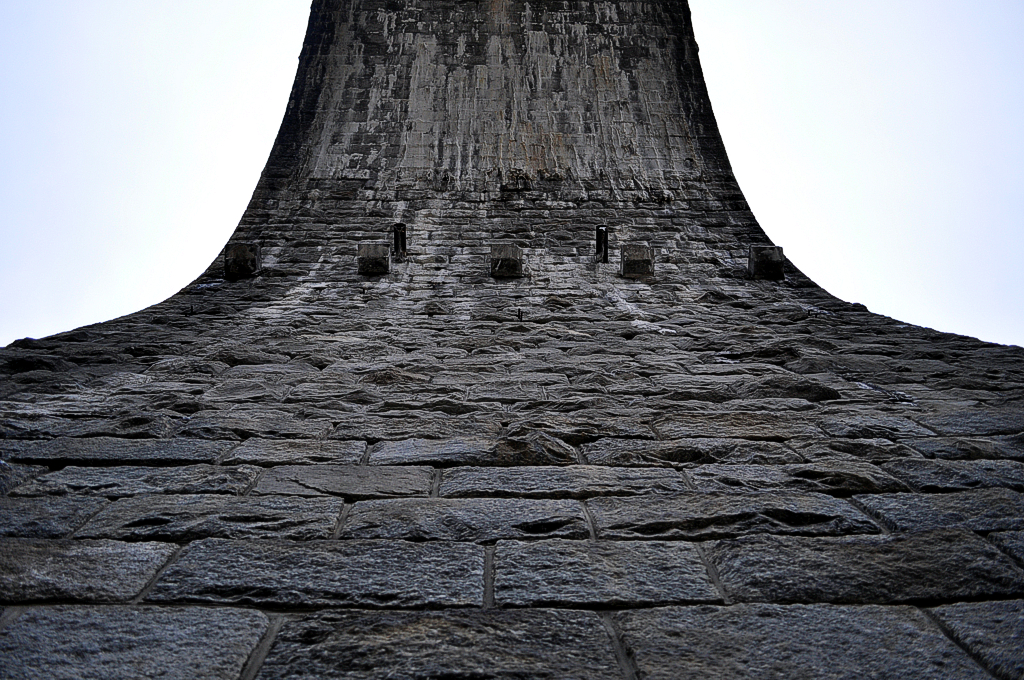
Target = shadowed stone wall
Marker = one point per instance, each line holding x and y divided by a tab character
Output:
558	472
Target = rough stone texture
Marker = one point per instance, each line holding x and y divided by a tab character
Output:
126	643
935	476
1012	542
84	571
581	481
942	565
187	518
980	510
465	519
992	631
325	574
715	515
503	645
771	641
119	482
528	125
13	475
45	517
599	573
351	482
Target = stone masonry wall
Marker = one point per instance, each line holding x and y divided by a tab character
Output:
304	471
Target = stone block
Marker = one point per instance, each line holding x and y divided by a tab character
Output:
465	519
642	452
348	481
574	481
123	481
538	449
637	261
761	642
506	261
943	565
83	571
940	476
374	259
599	573
493	644
267	452
1011	542
46	517
241	261
837	478
107	450
766	263
187	518
978	510
699	516
325	574
126	643
991	631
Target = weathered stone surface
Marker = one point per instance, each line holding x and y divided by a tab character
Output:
612	451
348	481
737	425
45	517
243	423
711	515
325	574
977	421
970	448
187	518
85	571
578	481
1012	542
599	573
931	476
537	450
107	450
992	631
506	261
126	643
637	261
374	259
465	519
836	478
119	482
268	452
979	510
867	450
772	641
13	475
872	426
947	564
501	645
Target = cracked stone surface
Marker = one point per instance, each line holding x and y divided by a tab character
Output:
435	443
83	571
992	631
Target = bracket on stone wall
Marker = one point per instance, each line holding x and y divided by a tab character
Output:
374	259
766	263
241	261
506	261
602	244
637	261
400	242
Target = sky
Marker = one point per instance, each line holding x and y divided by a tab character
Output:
880	143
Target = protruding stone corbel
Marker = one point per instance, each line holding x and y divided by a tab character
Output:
766	263
506	261
637	261
374	259
241	261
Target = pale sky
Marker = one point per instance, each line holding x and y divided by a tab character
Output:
880	143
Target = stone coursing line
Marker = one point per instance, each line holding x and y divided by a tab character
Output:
290	469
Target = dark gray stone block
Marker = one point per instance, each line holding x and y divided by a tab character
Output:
239	424
325	574
85	571
835	478
931	476
119	482
771	641
866	450
611	451
766	263
1012	542
736	425
977	421
948	564
45	517
506	261
865	426
13	475
979	510
241	261
127	643
992	631
538	449
637	261
713	515
187	518
267	452
374	259
107	450
578	481
599	573
969	448
348	481
493	644
465	519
